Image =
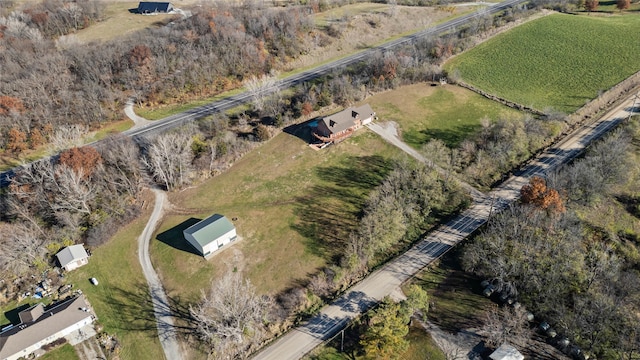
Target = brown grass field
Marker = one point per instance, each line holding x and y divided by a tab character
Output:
292	206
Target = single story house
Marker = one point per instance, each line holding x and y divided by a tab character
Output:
210	234
149	7
339	126
40	326
72	257
506	352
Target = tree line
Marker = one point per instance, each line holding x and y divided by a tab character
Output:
51	82
579	277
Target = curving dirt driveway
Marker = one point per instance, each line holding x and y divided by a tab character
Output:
138	121
161	308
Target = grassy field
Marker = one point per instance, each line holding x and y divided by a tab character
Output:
424	112
281	195
559	61
64	352
121	301
455	296
350	10
119	22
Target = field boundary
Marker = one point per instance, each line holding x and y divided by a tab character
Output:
605	100
499	99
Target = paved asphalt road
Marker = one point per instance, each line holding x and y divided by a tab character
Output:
301	340
233	101
173	121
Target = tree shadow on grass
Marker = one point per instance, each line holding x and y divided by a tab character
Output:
175	238
631	204
136	312
451	137
455	295
329	212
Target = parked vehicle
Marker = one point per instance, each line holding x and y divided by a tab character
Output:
94	281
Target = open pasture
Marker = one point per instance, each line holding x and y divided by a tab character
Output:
557	62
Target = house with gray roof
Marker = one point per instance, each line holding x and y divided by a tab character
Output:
209	235
72	257
341	125
40	326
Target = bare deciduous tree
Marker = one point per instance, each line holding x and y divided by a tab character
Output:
169	158
260	88
68	136
507	324
231	318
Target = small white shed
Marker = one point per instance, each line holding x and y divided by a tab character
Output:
210	234
72	257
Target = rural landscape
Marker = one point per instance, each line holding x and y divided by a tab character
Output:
320	179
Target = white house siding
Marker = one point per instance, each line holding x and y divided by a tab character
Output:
367	120
76	264
219	242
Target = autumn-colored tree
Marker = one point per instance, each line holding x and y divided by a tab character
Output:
84	159
36	138
307	108
17	142
10	104
139	55
623	4
591	5
539	195
263	133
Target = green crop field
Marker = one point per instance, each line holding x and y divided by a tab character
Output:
559	61
424	112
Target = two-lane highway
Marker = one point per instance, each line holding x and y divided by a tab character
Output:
230	102
243	98
382	282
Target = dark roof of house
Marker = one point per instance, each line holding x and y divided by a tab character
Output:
54	319
145	7
346	118
209	229
70	254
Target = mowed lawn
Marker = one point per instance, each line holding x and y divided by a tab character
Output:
121	299
424	112
119	21
559	61
293	207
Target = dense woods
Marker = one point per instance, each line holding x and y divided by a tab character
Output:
78	197
579	275
49	81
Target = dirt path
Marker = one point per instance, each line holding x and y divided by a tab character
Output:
388	131
161	309
90	350
138	121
